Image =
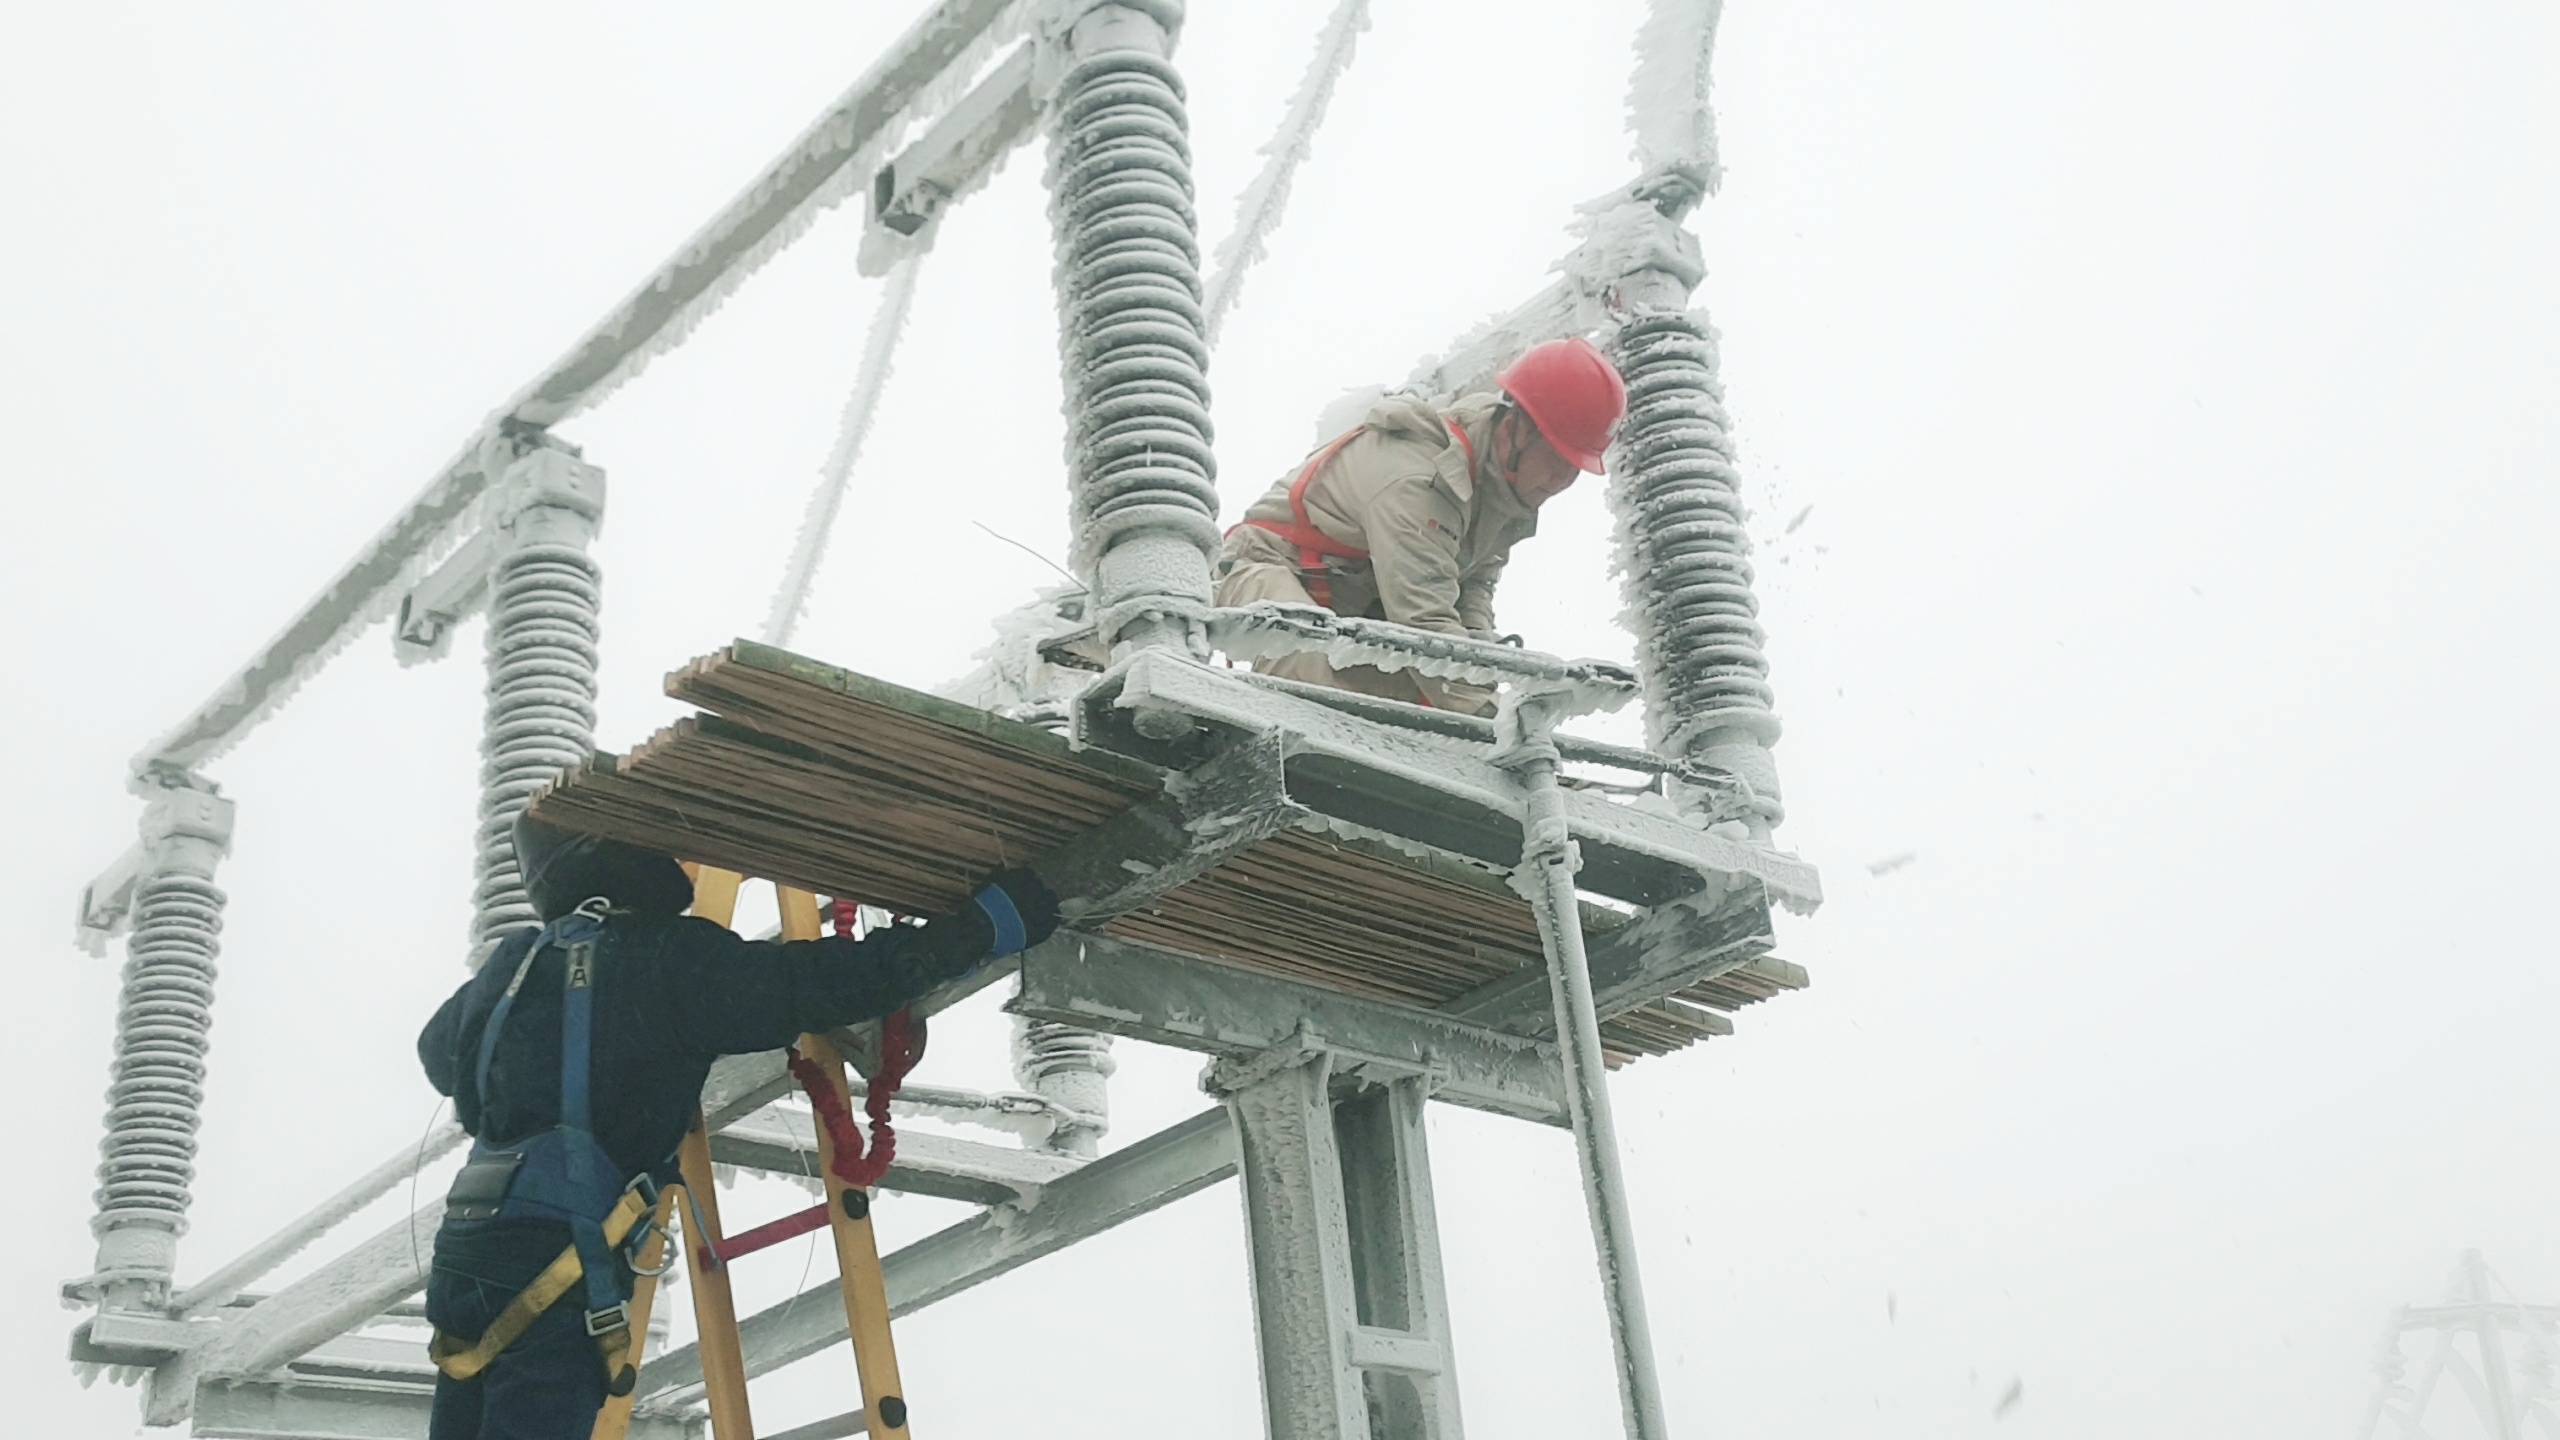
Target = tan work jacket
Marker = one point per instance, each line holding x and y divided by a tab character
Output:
1438	531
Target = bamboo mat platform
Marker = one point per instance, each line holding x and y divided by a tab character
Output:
824	779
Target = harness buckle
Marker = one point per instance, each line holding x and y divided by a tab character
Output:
645	1185
609	1319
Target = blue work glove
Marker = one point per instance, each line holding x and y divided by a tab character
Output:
1020	909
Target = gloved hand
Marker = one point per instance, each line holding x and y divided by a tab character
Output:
1020	908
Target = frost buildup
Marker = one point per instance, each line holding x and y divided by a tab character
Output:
1259	208
1145	497
1667	110
541	719
164	1027
1685	561
791	596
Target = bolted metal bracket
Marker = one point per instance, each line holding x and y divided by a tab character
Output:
186	825
954	155
544	492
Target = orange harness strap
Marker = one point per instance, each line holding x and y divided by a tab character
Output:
1315	546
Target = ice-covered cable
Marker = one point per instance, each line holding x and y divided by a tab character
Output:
1673	124
1260	207
541	716
791	596
1682	550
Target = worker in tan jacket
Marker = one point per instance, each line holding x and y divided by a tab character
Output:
1411	515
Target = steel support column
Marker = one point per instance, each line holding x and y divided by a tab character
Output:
1545	879
1350	1314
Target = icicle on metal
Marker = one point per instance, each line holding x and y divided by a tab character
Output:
541	717
164	1026
1145	498
1259	208
791	597
1686	562
1070	1068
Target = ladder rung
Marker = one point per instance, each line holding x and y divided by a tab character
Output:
834	1427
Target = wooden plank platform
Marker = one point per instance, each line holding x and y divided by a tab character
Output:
835	782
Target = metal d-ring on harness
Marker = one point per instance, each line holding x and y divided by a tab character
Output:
561	1174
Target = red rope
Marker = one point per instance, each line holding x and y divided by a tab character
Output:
854	1163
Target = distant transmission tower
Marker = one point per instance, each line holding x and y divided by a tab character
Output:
2504	1372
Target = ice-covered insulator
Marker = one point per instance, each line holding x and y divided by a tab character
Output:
1685	558
164	1026
1071	1068
541	716
1144	483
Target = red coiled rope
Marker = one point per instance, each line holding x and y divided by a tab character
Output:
857	1165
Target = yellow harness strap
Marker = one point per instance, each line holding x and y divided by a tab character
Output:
462	1362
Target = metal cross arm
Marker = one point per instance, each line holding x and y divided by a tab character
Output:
733	243
1270	627
1443	791
1134	1181
1146	993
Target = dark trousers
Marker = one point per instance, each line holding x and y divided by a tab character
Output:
548	1385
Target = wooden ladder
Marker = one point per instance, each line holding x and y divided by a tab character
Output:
694	1205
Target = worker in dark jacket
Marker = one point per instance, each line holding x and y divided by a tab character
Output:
663	997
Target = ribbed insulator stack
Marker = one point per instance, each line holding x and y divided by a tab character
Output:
1071	1068
1135	363
541	716
163	1029
1685	558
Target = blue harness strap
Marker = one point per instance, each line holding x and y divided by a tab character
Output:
565	1175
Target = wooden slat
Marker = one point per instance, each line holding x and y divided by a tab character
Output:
826	780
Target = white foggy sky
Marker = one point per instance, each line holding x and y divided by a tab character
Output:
2170	384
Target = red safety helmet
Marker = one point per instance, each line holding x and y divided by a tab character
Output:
1573	394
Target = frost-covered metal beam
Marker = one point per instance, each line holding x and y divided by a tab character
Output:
1439	790
1144	993
1174	1162
954	156
301	1408
1272	628
926	1164
1228	803
810	175
217	1289
328	1303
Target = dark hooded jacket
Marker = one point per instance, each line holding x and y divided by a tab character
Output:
672	995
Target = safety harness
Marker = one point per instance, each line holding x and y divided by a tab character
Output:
560	1175
1316	547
